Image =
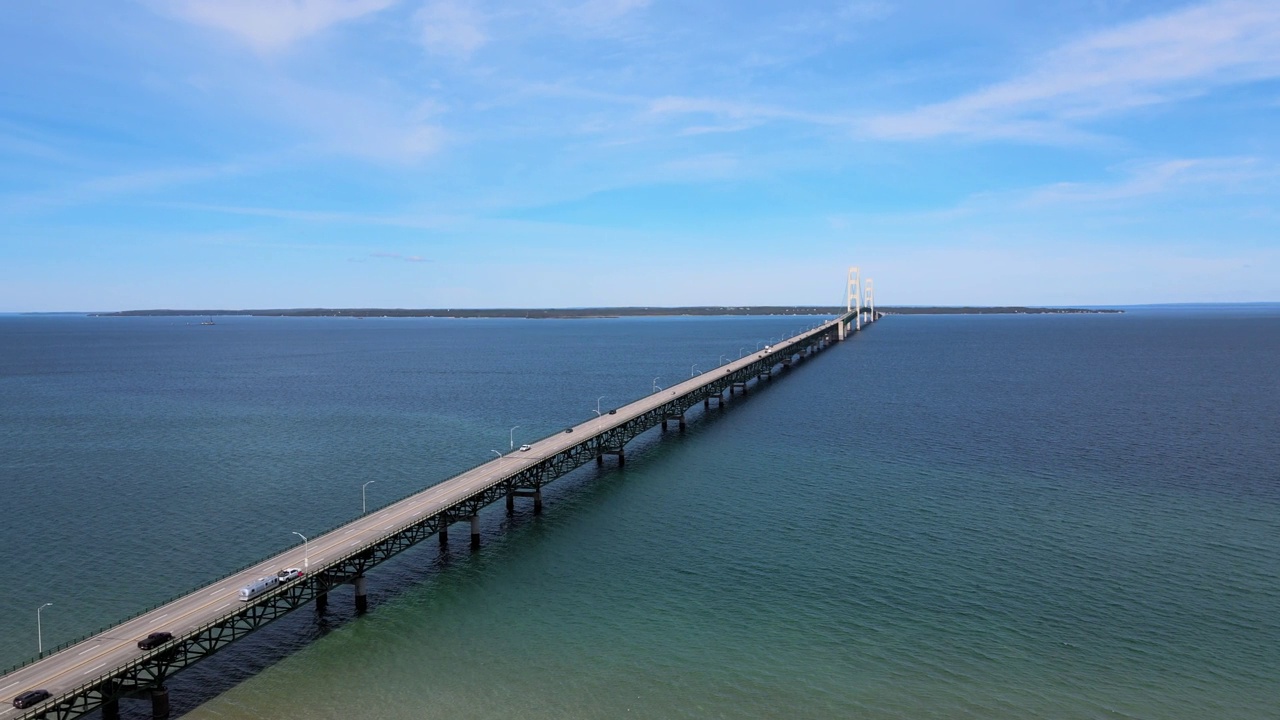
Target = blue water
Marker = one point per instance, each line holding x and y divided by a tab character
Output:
974	516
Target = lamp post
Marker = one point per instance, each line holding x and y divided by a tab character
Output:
740	353
598	405
306	551
721	359
39	629
655	384
363	507
693	369
758	346
511	438
495	452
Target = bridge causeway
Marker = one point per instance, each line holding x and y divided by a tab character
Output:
98	671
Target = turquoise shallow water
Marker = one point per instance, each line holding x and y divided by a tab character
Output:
986	517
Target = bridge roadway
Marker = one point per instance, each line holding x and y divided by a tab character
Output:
98	671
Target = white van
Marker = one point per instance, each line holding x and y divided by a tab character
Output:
257	587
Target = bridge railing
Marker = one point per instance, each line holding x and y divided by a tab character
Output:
63	646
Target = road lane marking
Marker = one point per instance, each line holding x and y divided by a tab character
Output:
6	687
87	651
435	499
153	622
96	667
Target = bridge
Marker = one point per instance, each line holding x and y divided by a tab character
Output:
99	671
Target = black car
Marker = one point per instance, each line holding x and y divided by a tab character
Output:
155	639
30	697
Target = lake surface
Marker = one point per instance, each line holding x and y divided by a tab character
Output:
1029	516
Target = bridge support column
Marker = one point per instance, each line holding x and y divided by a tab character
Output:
622	457
840	330
322	602
160	703
444	531
511	501
475	532
362	596
111	709
599	459
537	501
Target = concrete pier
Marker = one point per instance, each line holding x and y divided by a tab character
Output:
160	703
111	709
322	602
475	532
362	596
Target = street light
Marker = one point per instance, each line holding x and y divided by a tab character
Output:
740	353
39	630
721	359
511	437
598	405
655	384
306	551
692	369
364	508
495	452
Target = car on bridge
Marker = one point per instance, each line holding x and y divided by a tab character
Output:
30	697
289	574
525	448
155	639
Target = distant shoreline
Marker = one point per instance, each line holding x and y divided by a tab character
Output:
597	313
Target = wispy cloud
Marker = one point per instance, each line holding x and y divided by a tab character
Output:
739	115
1161	59
600	14
272	25
383	124
403	220
1156	178
398	256
114	186
451	28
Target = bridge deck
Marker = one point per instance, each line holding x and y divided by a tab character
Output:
109	665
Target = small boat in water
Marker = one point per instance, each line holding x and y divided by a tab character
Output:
208	322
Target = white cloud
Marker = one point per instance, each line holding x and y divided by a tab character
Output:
743	115
451	28
387	127
1156	60
1156	178
100	189
272	25
600	13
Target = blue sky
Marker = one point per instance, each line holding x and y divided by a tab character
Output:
383	153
